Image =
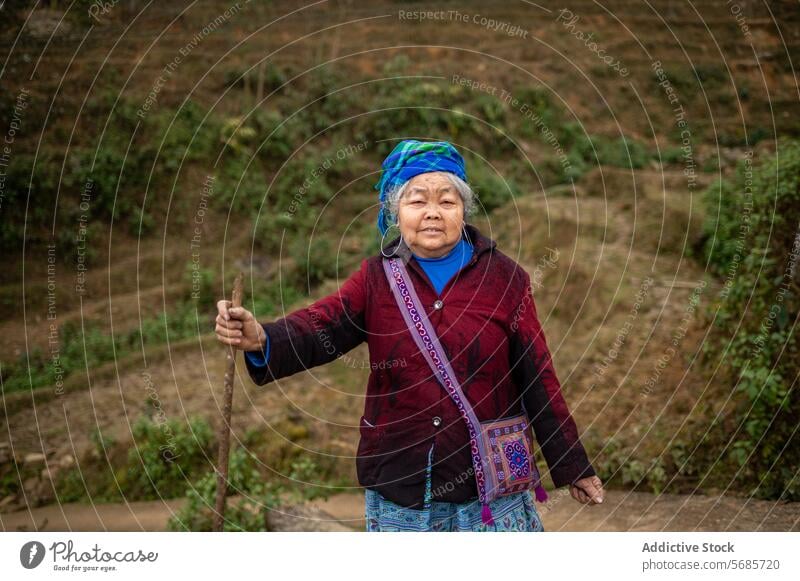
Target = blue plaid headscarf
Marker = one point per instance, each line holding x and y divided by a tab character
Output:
410	158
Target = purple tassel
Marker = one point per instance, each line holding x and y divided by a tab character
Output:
541	493
486	515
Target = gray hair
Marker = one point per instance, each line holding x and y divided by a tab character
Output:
392	202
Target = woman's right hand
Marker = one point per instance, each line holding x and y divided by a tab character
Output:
238	327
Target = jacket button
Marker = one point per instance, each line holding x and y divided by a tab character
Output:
437	421
438	305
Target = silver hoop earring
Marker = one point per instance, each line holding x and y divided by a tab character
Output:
383	238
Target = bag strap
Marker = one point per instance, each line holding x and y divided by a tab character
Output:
428	342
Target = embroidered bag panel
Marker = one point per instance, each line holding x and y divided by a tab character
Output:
509	447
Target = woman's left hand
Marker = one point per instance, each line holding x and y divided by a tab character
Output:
587	490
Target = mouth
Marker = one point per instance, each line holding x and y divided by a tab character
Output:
431	231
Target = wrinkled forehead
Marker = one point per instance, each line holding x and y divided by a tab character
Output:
430	181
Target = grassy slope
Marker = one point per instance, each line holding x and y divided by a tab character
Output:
607	237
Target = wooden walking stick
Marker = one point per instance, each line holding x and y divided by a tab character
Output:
225	427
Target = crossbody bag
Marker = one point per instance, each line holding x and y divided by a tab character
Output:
502	449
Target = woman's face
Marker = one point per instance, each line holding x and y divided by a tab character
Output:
430	215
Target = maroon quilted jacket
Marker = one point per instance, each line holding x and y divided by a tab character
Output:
486	320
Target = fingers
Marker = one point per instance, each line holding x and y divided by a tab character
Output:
598	485
227	341
588	490
222	308
240	313
228	312
579	495
230	324
593	488
232	337
228	332
592	492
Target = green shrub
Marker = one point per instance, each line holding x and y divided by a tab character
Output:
165	454
242	186
397	65
274	139
140	222
490	109
534	104
753	241
672	155
29	195
168	141
617	464
492	188
272	77
91	346
592	151
315	260
259	496
201	281
623	152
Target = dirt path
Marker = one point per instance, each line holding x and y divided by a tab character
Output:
621	511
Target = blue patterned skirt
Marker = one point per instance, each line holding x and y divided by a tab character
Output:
513	512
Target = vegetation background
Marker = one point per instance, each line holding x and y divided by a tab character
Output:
153	149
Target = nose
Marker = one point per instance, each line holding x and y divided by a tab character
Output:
432	211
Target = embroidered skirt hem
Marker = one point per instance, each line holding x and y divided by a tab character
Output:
514	512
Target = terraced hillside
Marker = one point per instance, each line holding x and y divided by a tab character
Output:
160	148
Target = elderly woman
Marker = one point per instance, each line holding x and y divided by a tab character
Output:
417	452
